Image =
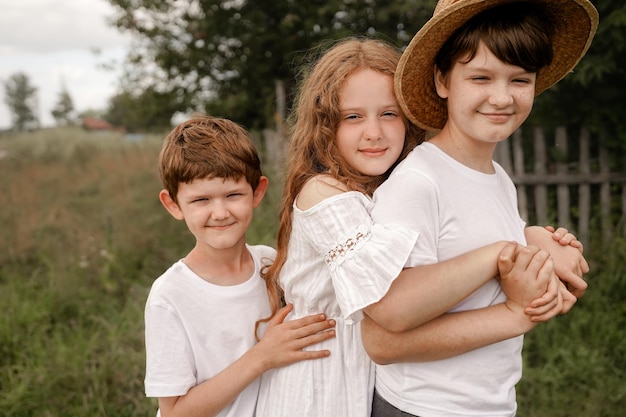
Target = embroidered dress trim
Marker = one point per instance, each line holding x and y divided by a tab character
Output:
335	256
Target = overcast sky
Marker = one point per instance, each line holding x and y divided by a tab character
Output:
53	43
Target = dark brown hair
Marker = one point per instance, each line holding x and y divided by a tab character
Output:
517	34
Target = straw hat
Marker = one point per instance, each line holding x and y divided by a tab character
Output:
575	24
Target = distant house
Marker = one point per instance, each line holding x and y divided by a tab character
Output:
96	124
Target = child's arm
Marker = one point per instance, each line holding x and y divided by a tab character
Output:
569	263
280	346
455	333
421	293
449	335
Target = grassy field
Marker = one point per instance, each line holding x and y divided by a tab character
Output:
82	237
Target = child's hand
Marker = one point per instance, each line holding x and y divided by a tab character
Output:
569	266
565	238
569	299
527	277
283	342
536	310
569	263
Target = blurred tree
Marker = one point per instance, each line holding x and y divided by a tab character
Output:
63	111
593	95
149	110
227	57
21	98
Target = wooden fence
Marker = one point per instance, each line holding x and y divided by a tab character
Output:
569	187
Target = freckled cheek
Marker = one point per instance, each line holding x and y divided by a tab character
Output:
526	102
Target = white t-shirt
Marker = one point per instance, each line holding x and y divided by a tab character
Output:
195	329
455	209
338	263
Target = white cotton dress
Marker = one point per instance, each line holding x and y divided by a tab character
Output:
338	263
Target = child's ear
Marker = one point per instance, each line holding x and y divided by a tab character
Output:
441	84
170	205
260	191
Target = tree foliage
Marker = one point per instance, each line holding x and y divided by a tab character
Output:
225	56
63	110
592	95
21	98
149	110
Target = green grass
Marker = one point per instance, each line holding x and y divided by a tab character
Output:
83	236
575	365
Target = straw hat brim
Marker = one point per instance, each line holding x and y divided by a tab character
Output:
575	21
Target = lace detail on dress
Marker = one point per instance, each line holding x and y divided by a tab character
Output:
345	249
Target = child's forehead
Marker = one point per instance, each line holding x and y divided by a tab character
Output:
484	58
218	182
365	77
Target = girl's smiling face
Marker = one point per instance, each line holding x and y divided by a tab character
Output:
371	131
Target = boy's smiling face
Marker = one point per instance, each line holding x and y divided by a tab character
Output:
217	211
487	99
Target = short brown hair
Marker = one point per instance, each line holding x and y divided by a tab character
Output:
207	147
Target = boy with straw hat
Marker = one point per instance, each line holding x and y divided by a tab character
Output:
470	74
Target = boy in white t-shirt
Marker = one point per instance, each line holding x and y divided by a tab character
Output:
202	355
470	74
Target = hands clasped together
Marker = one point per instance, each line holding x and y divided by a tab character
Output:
542	283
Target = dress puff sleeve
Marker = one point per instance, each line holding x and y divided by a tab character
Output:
363	258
